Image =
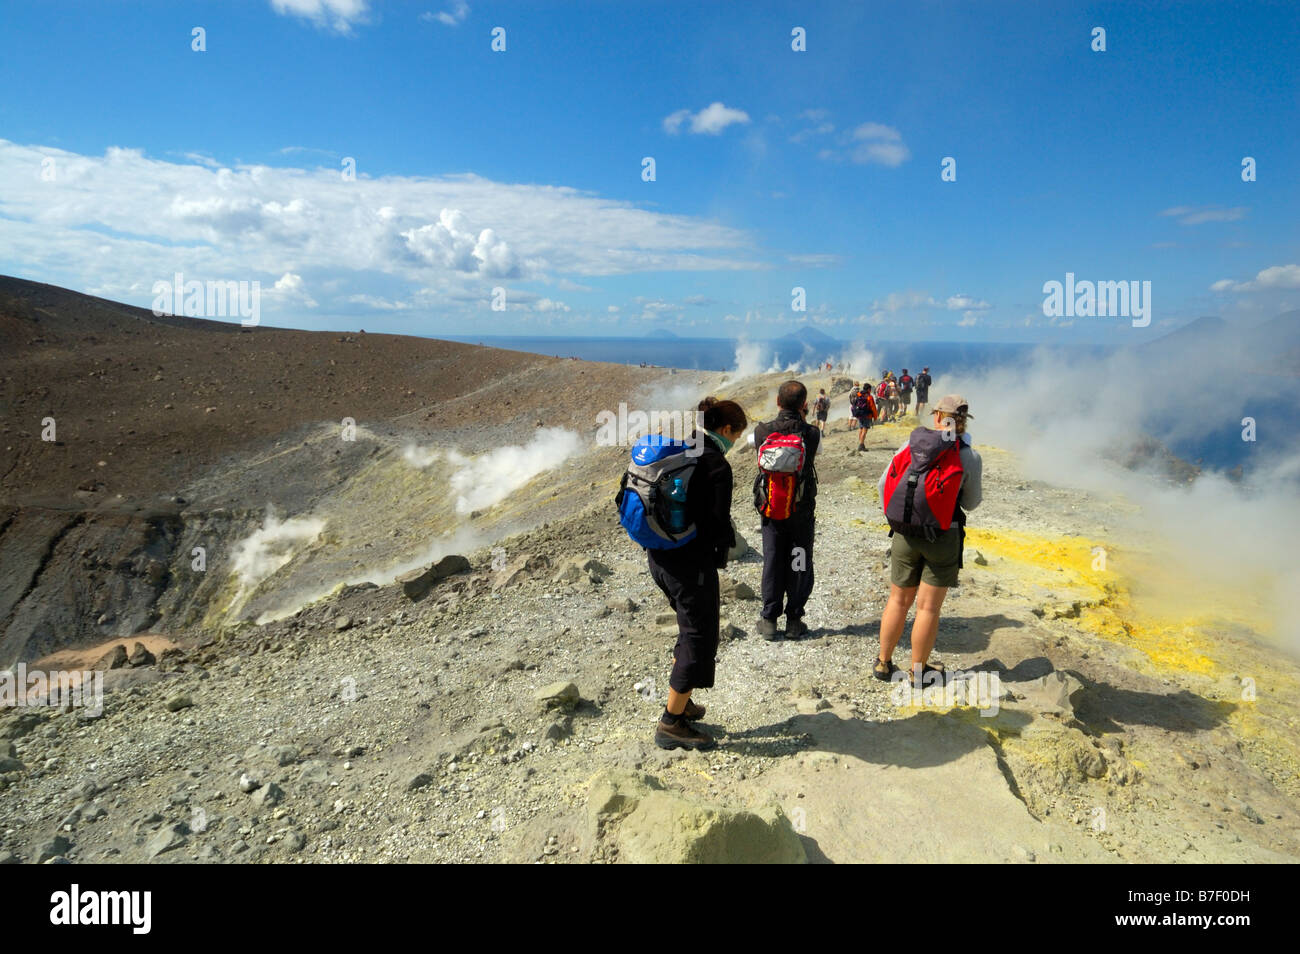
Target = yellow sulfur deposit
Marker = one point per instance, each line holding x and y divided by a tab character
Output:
1085	572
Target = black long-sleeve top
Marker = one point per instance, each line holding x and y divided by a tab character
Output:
708	502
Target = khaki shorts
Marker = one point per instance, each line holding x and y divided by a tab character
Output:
915	560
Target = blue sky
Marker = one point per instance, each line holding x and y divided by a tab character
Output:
126	156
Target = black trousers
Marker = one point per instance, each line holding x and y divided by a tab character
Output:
689	579
787	575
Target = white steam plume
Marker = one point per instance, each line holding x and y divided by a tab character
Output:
271	546
1228	544
479	482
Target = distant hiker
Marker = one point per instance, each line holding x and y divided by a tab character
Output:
890	403
926	491
863	408
905	384
923	382
676	502
785	494
823	409
882	395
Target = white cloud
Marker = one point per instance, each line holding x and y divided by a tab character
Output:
453	17
548	305
710	120
816	260
820	129
1273	277
202	159
290	290
876	131
336	15
960	302
900	301
1198	215
881	153
378	303
967	319
120	221
868	144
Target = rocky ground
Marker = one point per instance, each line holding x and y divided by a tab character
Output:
507	715
500	705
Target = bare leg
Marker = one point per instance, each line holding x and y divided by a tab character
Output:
677	701
892	620
925	627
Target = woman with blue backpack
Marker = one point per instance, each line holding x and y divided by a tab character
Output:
676	503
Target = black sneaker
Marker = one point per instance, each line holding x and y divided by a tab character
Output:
795	629
767	628
682	735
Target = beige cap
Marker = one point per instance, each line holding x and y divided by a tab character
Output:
953	404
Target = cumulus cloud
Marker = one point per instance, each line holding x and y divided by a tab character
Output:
1198	215
451	243
710	120
120	221
336	15
1273	277
289	289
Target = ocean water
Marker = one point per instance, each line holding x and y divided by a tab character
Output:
1216	445
721	354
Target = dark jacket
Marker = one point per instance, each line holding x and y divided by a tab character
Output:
708	502
788	422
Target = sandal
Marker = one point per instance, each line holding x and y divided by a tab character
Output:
884	669
927	669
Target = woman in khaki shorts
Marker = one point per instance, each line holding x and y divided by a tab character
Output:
921	570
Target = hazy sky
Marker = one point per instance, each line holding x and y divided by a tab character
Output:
127	156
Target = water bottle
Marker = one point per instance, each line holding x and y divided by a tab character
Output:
677	507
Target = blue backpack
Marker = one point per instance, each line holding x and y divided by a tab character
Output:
651	499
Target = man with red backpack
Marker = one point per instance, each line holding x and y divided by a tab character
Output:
884	401
933	480
863	408
785	495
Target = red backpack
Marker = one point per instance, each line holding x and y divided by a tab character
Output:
780	469
922	484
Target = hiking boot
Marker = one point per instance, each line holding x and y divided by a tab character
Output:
767	628
692	711
795	628
683	735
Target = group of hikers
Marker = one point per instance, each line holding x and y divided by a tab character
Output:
675	501
888	401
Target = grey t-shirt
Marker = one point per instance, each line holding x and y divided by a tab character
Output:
972	478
